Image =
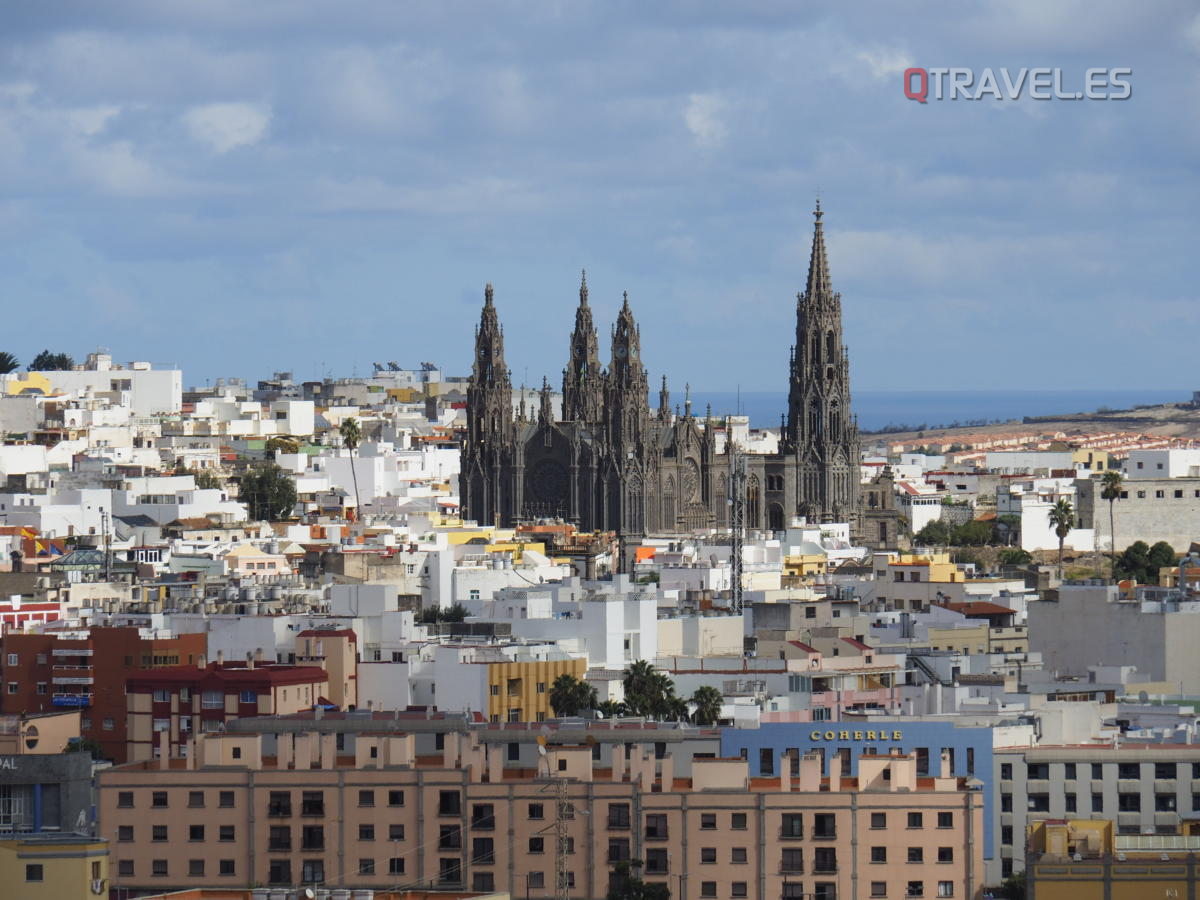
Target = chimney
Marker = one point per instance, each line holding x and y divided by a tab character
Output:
835	772
944	770
220	659
201	661
258	655
249	661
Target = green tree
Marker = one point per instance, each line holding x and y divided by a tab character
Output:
51	362
1161	556
611	709
1015	556
352	437
651	693
708	701
1134	562
1010	527
973	534
431	615
1013	887
8	363
570	697
206	479
934	534
87	745
282	444
1062	520
1110	490
268	492
627	885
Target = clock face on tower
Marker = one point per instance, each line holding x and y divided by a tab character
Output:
619	351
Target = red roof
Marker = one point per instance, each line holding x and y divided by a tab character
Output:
979	608
855	643
803	646
259	675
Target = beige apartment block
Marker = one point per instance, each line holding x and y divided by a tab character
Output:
468	820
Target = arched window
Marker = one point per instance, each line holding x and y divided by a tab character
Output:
669	503
753	502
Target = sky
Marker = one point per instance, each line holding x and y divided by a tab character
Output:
239	188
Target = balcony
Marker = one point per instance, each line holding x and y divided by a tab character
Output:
59	653
73	679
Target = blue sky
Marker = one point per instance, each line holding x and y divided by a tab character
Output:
239	187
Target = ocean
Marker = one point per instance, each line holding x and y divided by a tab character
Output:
928	409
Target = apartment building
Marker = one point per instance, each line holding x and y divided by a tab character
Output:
468	818
87	670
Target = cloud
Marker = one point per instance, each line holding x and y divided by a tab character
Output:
703	117
227	126
884	63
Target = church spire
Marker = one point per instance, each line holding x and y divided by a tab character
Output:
583	387
664	401
819	283
627	402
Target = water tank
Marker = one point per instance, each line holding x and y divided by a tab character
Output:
274	592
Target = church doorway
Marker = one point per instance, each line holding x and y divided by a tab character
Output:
775	517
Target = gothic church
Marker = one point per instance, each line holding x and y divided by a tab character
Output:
611	463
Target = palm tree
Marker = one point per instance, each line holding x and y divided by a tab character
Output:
707	700
1111	491
1062	519
351	436
8	363
569	696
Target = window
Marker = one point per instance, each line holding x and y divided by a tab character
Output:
1129	802
158	867
312	871
794	891
395	832
738	821
737	855
483	851
196	799
396	865
708	854
878	888
483	816
1039	803
158	799
449	803
227	833
279	804
708	821
395	798
1037	770
366	867
279	871
366	798
484	882
248	697
791	860
945	820
125	868
656	827
824	825
195	832
514	752
915	889
312	837
225	799
708	889
915	820
618	850
737	889
1129	770
124	832
1006	770
1006	803
824	859
1097	803
618	816
312	803
33	872
656	861
125	799
537	811
916	854
1098	771
537	845
449	870
945	888
879	854
226	867
279	838
158	832
366	832
162	695
791	825
14	659
1164	771
212	700
945	854
1070	803
1006	835
449	837
195	867
1164	803
878	820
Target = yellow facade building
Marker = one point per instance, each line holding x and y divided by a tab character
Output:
54	867
522	689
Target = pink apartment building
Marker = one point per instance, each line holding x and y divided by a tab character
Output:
471	819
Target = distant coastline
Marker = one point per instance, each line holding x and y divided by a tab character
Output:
927	410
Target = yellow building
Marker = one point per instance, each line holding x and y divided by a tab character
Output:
520	691
969	639
54	867
809	559
933	567
1083	859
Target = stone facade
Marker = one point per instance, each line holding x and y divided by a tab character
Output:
612	463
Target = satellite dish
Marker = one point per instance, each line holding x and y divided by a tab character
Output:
309	893
541	749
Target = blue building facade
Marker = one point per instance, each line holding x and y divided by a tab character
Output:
970	750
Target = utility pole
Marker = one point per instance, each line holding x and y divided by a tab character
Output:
737	521
107	545
563	812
